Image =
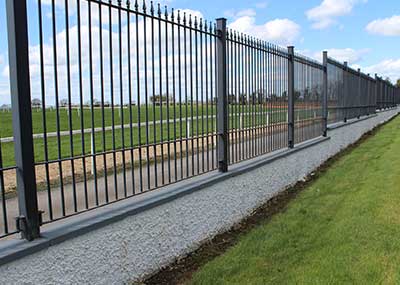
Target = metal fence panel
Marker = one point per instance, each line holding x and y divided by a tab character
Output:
130	97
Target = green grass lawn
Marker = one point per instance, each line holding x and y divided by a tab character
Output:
343	229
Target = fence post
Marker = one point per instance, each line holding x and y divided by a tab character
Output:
325	94
222	102
29	219
346	91
377	102
359	94
291	97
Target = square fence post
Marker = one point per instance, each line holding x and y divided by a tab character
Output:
325	94
222	98
17	27
377	91
347	94
359	95
291	97
368	94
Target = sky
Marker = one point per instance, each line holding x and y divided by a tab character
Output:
366	33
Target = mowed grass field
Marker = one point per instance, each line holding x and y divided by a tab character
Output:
343	229
155	133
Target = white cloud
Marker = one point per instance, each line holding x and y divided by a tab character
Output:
348	54
325	14
386	68
280	31
1	59
386	27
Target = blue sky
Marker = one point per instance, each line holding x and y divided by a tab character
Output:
366	33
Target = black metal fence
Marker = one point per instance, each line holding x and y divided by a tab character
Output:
128	97
351	93
387	95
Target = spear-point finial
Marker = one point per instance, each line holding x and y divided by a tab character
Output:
178	18
190	20
119	2
205	25
184	18
195	22
201	24
172	15
136	5
166	12
144	6
159	10
128	4
152	8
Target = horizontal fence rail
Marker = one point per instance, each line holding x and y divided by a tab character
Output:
127	97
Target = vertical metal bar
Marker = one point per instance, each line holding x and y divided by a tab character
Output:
180	91
325	93
128	15
212	89
222	118
185	58
81	102
248	91
191	92
103	123
235	54
18	53
71	138
111	63
55	66
196	62
168	95
43	91
121	99
146	95
161	94
174	94
153	85
202	93
291	97
138	96
207	94
91	90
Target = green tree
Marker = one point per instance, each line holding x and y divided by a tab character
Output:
398	83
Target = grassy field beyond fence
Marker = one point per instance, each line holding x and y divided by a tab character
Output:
203	123
343	229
